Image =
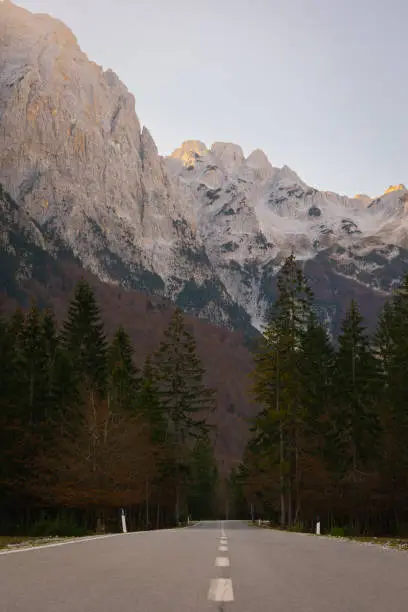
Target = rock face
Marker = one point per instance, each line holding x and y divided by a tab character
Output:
205	227
29	270
250	215
73	155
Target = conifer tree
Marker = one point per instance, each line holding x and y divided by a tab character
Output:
84	341
183	395
180	375
8	391
355	418
50	341
123	381
392	350
148	401
203	479
35	367
277	383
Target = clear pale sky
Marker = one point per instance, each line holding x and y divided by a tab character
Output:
319	85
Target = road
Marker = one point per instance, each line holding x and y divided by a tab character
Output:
226	566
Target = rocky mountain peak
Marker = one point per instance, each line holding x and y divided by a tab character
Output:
189	151
366	199
206	228
32	26
392	188
259	162
230	155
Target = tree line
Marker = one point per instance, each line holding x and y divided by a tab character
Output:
331	440
84	433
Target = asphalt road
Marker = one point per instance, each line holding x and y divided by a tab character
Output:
218	566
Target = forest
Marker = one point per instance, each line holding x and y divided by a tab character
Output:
330	442
83	433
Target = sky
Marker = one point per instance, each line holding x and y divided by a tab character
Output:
319	85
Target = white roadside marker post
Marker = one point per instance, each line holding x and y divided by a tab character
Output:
124	528
318	527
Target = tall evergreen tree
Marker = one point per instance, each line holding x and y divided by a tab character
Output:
84	341
185	398
123	381
50	341
8	391
315	367
203	480
355	419
392	348
148	401
277	383
35	370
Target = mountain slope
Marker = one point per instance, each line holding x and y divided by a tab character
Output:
73	155
206	228
32	266
251	215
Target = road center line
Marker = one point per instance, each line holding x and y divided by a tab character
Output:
222	562
221	590
223	548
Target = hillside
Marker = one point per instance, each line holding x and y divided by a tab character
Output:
34	267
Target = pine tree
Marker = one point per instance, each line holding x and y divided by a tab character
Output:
50	341
203	480
84	341
277	384
185	399
8	390
355	419
123	381
316	376
35	370
392	348
148	401
180	375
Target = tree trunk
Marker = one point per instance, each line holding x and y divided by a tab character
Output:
281	447
289	503
297	486
147	502
281	478
177	509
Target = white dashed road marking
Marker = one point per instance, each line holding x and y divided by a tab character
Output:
221	590
222	562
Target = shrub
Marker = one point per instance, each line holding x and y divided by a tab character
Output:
337	532
61	525
297	527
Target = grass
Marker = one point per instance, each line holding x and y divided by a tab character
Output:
386	542
11	542
395	543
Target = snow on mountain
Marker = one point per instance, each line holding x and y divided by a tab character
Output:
251	214
206	227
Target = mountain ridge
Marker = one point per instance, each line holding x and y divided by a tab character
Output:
33	266
207	228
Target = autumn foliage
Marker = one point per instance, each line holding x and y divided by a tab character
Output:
84	433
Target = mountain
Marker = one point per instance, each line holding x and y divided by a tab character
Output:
207	228
73	154
250	215
33	267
